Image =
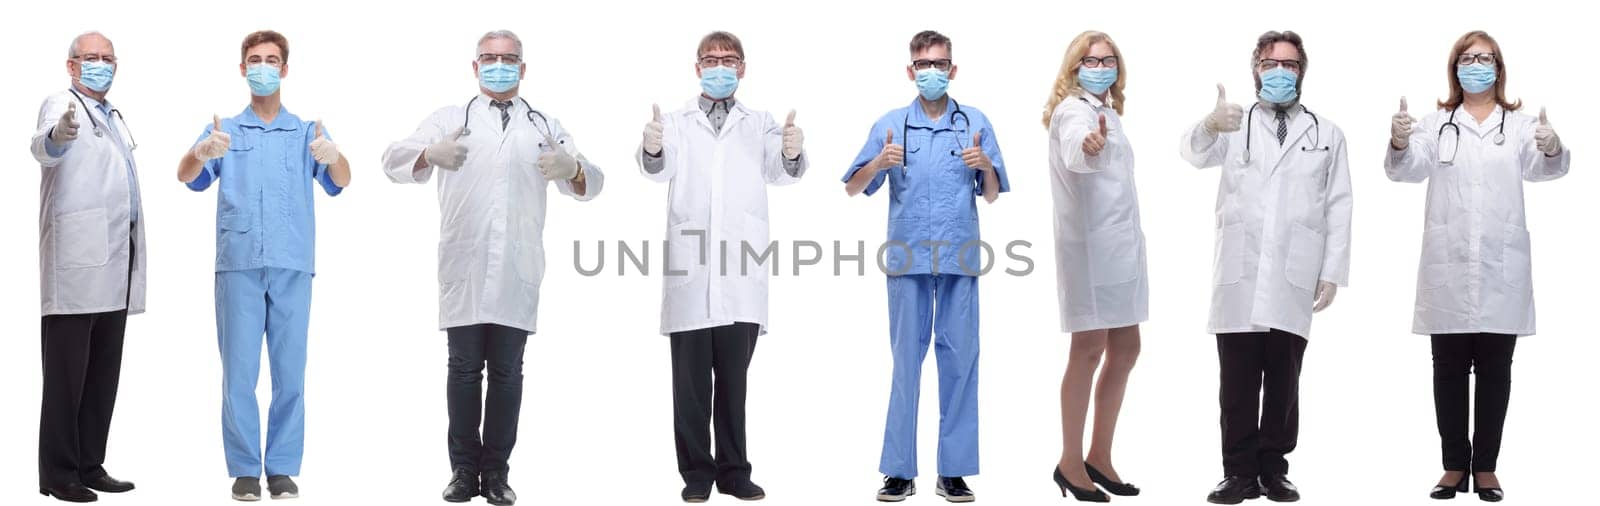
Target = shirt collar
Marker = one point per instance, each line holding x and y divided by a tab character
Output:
283	121
1091	99
917	117
727	104
91	102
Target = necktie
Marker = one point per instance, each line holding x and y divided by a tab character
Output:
505	112
1283	127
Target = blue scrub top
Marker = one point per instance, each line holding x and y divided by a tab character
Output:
933	205
265	216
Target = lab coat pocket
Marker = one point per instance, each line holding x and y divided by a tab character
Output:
530	264
455	262
1229	259
684	254
1435	260
1114	254
1304	262
82	239
1517	257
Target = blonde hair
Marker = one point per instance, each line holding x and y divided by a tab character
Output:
1067	80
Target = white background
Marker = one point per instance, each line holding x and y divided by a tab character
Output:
597	423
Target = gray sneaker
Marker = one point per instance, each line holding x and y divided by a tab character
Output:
247	489
282	487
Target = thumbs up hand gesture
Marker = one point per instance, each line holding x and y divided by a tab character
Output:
323	150
1096	140
214	145
653	132
1227	117
892	155
1401	127
447	153
555	163
793	138
1545	137
974	157
66	129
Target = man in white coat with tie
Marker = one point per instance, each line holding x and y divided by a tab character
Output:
499	156
1283	249
91	269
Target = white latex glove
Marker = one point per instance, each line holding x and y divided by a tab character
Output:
1400	128
1325	293
555	164
653	132
793	138
323	150
1096	140
66	130
447	153
1227	117
1545	137
974	156
214	145
892	155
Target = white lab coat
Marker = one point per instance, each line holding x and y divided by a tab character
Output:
1476	270
718	193
1283	220
1100	252
84	216
491	211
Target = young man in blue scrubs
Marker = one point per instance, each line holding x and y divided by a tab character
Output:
937	157
263	162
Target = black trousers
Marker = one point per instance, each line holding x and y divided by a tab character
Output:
471	348
697	401
82	358
1454	357
1260	399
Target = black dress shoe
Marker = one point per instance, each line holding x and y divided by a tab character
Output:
1449	492
1234	490
1113	487
71	492
896	489
1279	489
105	483
463	486
1093	494
497	489
697	492
743	489
1486	494
954	490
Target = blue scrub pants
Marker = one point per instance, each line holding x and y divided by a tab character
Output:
250	303
921	306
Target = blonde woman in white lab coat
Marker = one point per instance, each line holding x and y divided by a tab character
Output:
1100	257
1474	286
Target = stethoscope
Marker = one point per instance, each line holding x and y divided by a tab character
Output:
1499	136
99	131
1250	124
466	131
905	127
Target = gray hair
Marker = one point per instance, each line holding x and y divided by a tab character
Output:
501	34
72	49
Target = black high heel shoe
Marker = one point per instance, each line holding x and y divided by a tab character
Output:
1444	492
1486	494
1114	488
1092	495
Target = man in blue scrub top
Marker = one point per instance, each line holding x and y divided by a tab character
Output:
948	156
263	162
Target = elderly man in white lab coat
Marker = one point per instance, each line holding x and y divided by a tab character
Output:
91	269
499	155
1283	248
719	155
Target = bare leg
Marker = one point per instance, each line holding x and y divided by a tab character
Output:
1122	351
1451	478
1076	385
1486	479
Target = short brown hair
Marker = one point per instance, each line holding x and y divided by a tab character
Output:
264	37
1456	93
929	38
720	40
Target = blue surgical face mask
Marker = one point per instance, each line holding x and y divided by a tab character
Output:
499	77
719	82
1476	78
96	75
932	83
1097	80
1279	86
263	78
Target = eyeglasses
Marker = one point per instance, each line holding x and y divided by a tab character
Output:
943	64
97	58
270	61
506	58
707	62
1468	59
1103	61
1266	64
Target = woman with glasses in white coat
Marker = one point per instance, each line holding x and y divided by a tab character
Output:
1474	287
